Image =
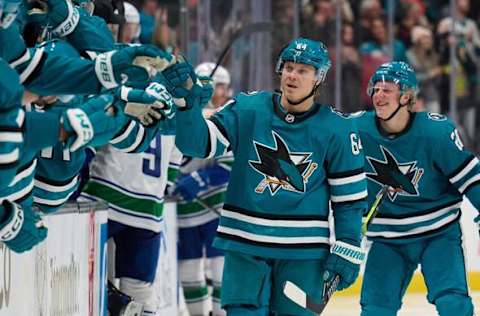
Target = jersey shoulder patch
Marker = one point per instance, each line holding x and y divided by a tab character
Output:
436	116
346	115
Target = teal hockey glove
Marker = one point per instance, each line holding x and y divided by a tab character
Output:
147	106
78	128
179	79
20	229
60	15
207	90
121	67
344	260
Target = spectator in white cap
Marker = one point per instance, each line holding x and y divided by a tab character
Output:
131	31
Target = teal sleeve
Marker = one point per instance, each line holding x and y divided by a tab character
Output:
192	133
91	34
459	164
57	75
197	137
347	181
41	130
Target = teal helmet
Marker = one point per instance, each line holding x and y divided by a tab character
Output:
308	52
398	72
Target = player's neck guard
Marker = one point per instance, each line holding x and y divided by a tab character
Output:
387	134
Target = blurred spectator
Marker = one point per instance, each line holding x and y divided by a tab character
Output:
320	25
410	14
464	34
426	62
380	44
147	20
131	28
351	71
369	10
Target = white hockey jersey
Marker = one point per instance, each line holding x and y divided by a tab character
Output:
134	184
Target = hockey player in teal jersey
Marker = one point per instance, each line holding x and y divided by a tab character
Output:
292	158
421	156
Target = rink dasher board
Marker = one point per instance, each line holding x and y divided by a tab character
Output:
62	275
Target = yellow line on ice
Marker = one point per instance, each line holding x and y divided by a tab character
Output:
417	285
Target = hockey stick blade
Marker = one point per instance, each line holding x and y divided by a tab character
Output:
244	31
299	297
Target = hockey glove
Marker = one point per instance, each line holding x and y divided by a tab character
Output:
78	128
179	79
207	90
189	186
20	229
149	105
117	67
344	260
61	15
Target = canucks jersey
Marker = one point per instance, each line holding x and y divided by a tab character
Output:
133	184
287	169
195	213
432	167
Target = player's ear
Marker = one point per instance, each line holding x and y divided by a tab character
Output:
406	98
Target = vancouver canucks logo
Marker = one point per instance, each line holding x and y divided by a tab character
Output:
281	168
401	178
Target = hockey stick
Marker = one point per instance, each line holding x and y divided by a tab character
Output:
301	298
244	31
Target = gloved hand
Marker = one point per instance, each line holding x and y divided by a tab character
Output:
179	79
119	67
60	15
189	186
78	128
344	260
20	229
207	90
149	105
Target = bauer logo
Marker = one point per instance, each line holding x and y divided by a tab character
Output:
6	276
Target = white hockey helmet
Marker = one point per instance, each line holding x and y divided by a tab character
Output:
220	76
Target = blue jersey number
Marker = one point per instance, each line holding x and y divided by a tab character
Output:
153	158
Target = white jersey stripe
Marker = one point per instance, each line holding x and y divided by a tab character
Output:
275	222
24	173
347	180
124	135
12	137
272	239
213	139
349	197
465	170
9	157
415	219
138	140
18	194
414	231
467	183
56	188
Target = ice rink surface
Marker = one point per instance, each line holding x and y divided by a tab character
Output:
413	305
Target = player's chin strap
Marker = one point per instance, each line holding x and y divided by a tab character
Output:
315	87
394	112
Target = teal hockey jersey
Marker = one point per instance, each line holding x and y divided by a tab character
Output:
287	170
430	163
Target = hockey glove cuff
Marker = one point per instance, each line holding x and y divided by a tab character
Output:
22	228
78	127
344	260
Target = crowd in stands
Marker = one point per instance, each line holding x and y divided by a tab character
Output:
424	33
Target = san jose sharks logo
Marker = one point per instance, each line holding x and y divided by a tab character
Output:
281	168
401	178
